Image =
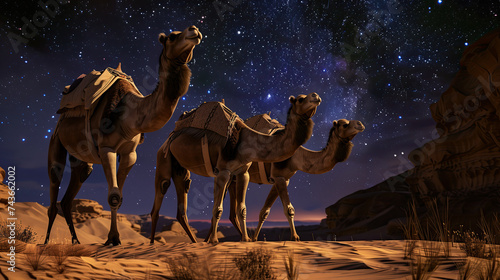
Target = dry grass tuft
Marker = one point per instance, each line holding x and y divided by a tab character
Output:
292	266
419	268
35	256
467	270
192	267
59	253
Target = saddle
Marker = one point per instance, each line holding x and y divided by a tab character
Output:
212	116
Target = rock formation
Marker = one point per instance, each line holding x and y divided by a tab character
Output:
369	209
84	209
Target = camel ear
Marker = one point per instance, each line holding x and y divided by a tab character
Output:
335	124
292	99
162	38
269	113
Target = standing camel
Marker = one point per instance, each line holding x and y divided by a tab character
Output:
134	115
185	154
338	148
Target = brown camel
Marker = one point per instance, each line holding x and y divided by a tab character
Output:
338	148
185	154
134	115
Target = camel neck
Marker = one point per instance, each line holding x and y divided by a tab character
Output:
156	109
318	162
279	146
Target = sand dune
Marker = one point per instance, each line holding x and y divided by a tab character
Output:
91	231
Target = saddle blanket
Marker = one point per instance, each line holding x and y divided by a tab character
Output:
91	88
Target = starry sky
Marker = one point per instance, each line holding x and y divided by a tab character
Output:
380	62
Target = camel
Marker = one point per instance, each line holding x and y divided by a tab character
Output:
184	155
134	115
337	149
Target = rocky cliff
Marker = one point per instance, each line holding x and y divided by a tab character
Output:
370	209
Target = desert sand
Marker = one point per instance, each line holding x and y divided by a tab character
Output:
318	260
137	259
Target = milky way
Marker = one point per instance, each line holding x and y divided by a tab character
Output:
381	62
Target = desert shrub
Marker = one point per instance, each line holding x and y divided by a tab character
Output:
474	245
255	265
192	267
24	234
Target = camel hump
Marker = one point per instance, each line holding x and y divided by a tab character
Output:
264	124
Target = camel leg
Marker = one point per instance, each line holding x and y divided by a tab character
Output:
233	207
162	183
266	209
115	196
241	209
108	160
182	184
80	171
220	183
56	164
282	185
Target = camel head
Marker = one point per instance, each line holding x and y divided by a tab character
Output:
346	129
305	105
178	46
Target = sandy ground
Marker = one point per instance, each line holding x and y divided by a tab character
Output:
137	259
318	260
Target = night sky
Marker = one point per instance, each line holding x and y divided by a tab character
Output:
380	62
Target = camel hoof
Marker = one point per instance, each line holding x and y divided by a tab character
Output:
113	241
214	241
254	239
247	239
295	238
75	241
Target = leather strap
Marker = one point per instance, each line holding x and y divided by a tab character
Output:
262	173
206	156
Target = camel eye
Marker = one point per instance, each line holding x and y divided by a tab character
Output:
301	99
345	125
172	37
